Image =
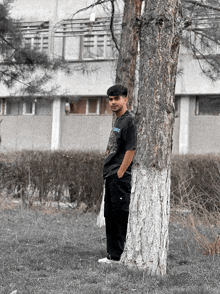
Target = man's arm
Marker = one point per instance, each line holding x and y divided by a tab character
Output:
126	162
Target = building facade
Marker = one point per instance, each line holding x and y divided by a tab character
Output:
77	116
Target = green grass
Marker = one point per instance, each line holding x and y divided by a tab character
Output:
45	252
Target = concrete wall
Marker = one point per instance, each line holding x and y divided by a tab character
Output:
97	78
85	132
33	10
25	132
175	148
192	81
77	132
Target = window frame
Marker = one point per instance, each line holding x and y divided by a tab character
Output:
2	106
105	47
36	30
198	97
33	108
41	38
5	106
81	28
87	113
97	106
177	106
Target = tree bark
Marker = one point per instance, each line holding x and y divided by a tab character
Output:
126	65
147	235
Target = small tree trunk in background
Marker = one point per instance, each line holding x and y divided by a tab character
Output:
126	65
100	218
147	235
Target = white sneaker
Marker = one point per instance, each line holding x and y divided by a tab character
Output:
108	261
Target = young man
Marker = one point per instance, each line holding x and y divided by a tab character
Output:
117	173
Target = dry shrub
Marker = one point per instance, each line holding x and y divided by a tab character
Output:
203	225
196	178
207	247
195	193
52	174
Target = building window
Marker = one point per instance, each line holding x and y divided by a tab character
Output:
78	107
177	106
1	106
29	108
37	43
6	54
208	105
8	104
85	40
36	35
90	106
97	47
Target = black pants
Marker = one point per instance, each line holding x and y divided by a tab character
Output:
117	200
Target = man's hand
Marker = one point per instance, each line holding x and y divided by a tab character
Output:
125	163
120	174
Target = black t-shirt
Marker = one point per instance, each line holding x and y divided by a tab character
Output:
122	138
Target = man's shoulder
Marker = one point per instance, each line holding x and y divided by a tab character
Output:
128	122
129	113
129	117
125	120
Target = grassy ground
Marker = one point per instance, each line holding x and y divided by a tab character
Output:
47	252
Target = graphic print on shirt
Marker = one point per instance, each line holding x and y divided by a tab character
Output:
112	143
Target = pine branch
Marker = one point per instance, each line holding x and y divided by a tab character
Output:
198	3
209	37
13	78
213	66
7	42
98	2
111	25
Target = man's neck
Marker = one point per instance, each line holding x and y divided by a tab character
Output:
120	113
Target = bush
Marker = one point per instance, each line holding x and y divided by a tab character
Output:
51	173
195	179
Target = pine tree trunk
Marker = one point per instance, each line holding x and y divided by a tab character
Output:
147	235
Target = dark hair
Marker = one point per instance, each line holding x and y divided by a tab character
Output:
117	90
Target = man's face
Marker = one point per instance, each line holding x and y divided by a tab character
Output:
117	103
